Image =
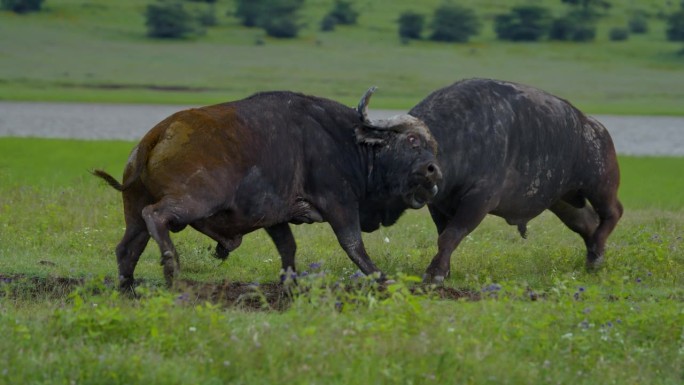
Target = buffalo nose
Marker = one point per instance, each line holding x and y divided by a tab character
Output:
433	172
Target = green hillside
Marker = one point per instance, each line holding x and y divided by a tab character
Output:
96	50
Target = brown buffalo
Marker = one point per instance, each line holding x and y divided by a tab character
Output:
263	162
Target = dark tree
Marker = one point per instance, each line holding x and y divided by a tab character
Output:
675	26
590	8
573	27
638	23
248	11
280	18
22	6
411	25
328	23
169	19
453	22
618	34
344	13
207	16
523	23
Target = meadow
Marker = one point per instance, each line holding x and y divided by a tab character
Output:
97	51
514	310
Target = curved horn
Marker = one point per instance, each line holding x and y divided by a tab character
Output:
362	108
394	122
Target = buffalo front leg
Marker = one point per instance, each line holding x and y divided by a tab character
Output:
609	213
465	219
346	225
282	237
584	221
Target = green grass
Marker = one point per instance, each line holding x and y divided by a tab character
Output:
98	52
622	324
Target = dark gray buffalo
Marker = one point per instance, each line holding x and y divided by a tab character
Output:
266	161
514	151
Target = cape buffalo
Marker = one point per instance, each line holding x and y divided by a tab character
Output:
263	162
514	151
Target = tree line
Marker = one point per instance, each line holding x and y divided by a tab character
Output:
450	22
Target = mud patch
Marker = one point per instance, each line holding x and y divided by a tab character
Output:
249	296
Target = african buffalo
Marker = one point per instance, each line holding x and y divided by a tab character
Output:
514	151
265	161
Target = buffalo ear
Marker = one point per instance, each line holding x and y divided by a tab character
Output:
371	135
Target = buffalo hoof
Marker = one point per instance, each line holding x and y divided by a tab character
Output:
171	268
595	263
221	252
433	279
288	276
127	286
380	277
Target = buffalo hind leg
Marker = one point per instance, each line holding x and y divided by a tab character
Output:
470	212
128	253
158	218
282	237
215	230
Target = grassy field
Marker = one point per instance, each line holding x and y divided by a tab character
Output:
97	51
529	312
514	311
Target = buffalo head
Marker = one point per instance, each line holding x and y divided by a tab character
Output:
403	160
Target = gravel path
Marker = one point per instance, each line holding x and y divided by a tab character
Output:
633	135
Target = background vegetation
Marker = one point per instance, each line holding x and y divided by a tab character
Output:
96	50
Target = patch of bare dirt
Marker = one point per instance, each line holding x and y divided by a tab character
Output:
250	296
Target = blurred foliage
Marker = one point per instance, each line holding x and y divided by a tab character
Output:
169	19
452	22
411	25
22	6
523	23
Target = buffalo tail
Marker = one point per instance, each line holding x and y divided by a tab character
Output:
109	179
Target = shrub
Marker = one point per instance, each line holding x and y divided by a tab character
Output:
248	11
279	18
411	25
168	19
675	26
281	26
328	23
523	23
344	13
207	17
638	24
453	22
589	8
22	6
618	34
573	27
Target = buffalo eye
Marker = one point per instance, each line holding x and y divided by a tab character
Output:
413	140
